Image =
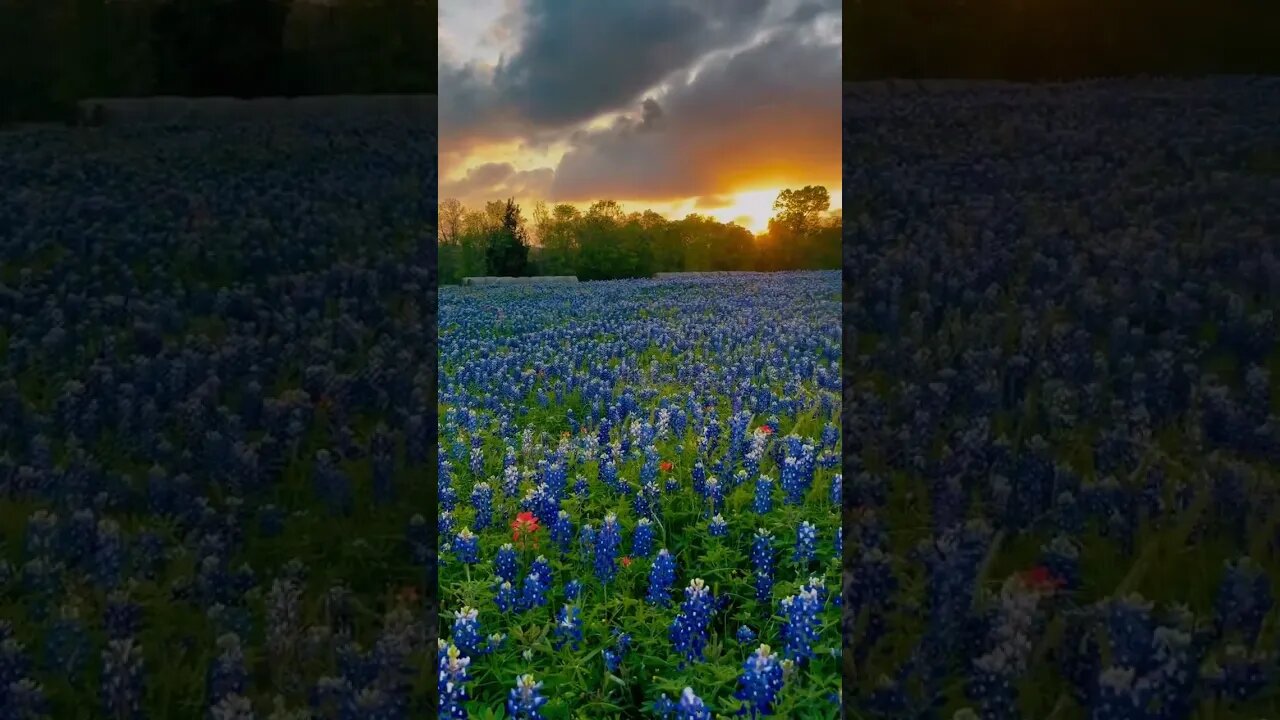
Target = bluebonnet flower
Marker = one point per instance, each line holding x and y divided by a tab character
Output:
613	656
568	627
542	567
482	501
691	707
122	617
21	696
837	497
452	683
606	549
745	634
534	592
510	475
1244	599
42	534
801	625
123	679
661	577
763	499
830	435
715	496
496	642
467	546
466	631
525	701
718	527
506	598
759	683
1241	674
562	531
572	589
642	541
505	563
762	559
67	645
444	524
806	539
587	541
227	673
25	699
689	629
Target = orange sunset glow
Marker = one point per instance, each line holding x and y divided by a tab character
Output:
540	104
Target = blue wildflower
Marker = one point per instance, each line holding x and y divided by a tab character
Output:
718	527
763	499
642	541
661	577
691	707
573	589
534	592
524	701
467	546
806	540
466	631
482	501
506	598
505	563
452	683
759	683
762	558
802	624
542	567
606	549
689	629
568	627
123	682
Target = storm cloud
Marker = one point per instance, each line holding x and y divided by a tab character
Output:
703	94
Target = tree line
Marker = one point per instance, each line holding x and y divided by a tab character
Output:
56	52
1035	40
604	242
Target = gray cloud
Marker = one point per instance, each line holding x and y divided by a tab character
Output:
741	113
720	115
576	59
494	180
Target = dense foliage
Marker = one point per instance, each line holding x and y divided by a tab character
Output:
1062	406
639	489
605	243
216	373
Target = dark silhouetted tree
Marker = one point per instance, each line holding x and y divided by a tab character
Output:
508	249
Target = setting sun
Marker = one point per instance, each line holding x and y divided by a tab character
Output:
751	209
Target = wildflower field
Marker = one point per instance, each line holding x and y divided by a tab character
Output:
639	489
1063	400
215	387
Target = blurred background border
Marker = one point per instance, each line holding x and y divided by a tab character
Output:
1046	40
56	52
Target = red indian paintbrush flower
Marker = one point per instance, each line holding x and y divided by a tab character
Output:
665	466
766	429
1039	578
525	523
626	561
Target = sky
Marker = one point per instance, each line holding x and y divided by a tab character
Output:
679	106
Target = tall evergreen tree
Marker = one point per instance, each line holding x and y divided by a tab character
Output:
508	249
